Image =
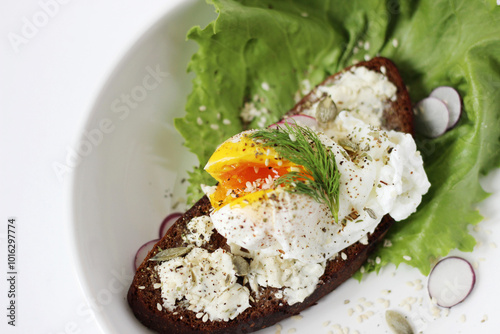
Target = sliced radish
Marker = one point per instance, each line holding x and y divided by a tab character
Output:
453	101
143	252
167	222
302	120
451	281
431	117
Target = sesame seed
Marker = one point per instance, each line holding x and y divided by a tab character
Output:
359	308
304	14
159	307
291	330
485	317
141	287
225	121
214	126
395	43
297	317
378	260
407	258
350	312
199	121
199	315
157	285
446	312
202	108
366	46
343	256
326	323
265	86
462	318
347	301
436	312
366	57
205	318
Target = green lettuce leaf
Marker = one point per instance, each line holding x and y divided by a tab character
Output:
260	52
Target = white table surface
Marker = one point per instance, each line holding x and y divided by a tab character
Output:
48	84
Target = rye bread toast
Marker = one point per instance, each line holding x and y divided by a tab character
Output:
267	309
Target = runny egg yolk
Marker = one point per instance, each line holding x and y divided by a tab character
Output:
245	171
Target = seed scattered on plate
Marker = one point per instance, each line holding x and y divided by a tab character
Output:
397	322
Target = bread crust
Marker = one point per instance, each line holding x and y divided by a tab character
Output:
266	310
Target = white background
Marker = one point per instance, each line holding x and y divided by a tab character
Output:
48	85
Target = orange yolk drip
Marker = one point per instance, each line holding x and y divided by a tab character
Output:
237	164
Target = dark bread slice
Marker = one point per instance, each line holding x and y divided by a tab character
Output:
266	310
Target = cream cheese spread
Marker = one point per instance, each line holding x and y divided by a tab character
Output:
206	282
200	230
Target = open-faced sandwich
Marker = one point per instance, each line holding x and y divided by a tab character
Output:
297	209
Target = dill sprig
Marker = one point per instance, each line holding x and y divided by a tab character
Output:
319	177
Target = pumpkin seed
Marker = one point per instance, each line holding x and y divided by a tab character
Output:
397	322
171	253
348	145
326	110
241	266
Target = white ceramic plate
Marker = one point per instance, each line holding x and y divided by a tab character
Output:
130	178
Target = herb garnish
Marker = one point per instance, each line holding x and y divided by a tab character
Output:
319	177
